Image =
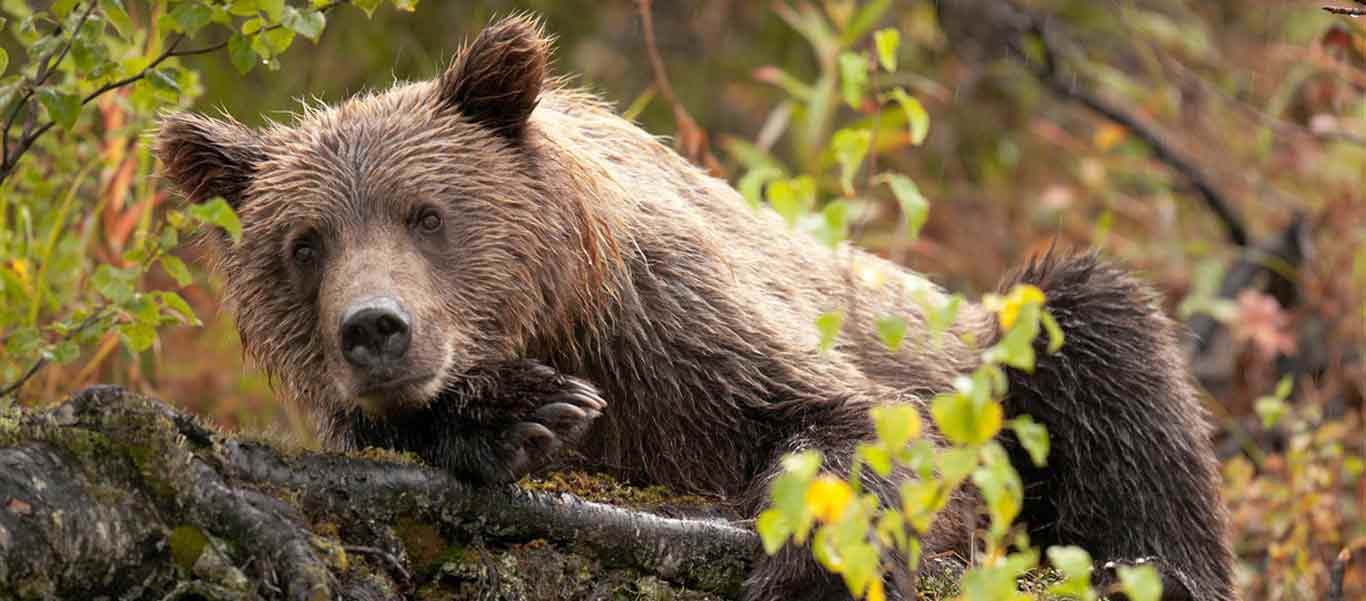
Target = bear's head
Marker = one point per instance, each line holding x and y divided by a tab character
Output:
397	240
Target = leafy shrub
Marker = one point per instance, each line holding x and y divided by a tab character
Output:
81	225
850	531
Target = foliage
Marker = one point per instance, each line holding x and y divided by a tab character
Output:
1290	502
851	531
81	225
1268	98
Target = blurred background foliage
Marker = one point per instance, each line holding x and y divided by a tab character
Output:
1265	99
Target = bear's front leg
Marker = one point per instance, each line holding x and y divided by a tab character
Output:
495	424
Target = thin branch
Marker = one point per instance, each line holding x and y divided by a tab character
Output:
1347	12
41	362
1050	73
31	135
45	68
692	139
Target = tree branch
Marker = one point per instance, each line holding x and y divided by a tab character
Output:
1067	86
692	139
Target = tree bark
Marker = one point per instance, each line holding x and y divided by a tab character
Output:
117	495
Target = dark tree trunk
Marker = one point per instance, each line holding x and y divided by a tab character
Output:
112	494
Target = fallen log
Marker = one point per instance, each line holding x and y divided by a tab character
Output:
118	495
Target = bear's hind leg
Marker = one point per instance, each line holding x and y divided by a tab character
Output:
1132	473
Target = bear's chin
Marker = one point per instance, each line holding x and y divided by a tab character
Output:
400	396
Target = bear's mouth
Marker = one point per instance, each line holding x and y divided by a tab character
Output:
394	393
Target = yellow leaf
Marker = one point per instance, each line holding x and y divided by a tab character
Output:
1108	136
875	591
1019	297
828	497
20	269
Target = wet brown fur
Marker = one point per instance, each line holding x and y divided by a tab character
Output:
575	239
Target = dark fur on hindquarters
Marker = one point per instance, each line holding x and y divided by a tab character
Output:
1131	473
499	423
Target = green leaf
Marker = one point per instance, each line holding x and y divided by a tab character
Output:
913	204
896	425
241	54
835	222
876	457
309	24
1055	337
921	501
887	41
368	6
864	20
791	198
176	269
113	283
273	42
162	81
405	5
916	116
138	336
1033	437
118	15
1073	562
964	422
90	55
751	184
63	7
987	583
803	464
853	78
217	212
1284	386
773	529
63	108
1271	409
1141	582
66	352
177	304
851	145
190	17
892	330
23	341
4	61
829	325
274	9
1000	486
1076	565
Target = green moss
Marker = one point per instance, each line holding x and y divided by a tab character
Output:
391	456
426	547
605	489
187	544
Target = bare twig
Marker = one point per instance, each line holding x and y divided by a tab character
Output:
692	139
1049	71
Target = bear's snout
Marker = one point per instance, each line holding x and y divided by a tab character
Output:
375	335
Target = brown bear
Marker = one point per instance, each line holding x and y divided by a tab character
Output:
490	266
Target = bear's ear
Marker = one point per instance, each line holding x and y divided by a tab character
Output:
206	157
496	80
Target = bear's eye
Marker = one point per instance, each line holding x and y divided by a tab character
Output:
304	253
429	221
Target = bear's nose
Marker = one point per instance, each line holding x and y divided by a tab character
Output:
375	332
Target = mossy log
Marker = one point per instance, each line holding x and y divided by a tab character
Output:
113	495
